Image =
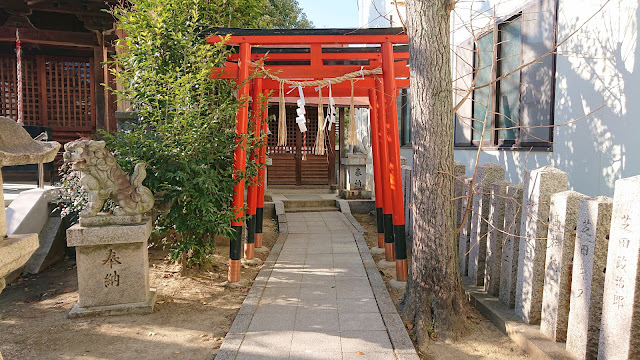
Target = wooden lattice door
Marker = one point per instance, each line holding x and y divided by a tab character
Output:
57	92
288	166
284	159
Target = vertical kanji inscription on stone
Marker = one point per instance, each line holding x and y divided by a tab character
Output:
587	285
619	332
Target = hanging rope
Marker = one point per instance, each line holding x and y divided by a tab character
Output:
352	138
282	120
19	77
336	80
282	124
320	150
304	145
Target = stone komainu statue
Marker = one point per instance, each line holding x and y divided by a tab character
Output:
102	178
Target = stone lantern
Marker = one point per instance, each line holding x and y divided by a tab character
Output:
18	148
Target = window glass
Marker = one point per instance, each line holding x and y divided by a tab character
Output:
482	96
508	99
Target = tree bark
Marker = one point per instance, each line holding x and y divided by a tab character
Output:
434	301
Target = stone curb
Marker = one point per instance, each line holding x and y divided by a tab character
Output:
527	337
346	210
402	344
232	341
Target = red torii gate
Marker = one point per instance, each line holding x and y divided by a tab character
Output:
301	55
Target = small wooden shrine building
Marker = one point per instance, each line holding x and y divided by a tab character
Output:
63	46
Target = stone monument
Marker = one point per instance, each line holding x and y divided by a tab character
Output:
459	173
463	239
539	185
356	172
587	280
620	305
111	248
495	237
486	174
18	148
511	245
561	238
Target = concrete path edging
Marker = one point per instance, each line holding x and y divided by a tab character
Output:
233	339
527	337
346	210
401	343
400	340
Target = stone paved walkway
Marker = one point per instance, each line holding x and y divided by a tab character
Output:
318	302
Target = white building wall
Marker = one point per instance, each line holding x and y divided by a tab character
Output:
379	13
595	68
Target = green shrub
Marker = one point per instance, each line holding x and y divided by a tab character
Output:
185	130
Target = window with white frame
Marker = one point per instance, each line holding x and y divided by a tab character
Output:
510	105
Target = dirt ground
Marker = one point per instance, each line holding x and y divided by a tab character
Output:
192	315
484	340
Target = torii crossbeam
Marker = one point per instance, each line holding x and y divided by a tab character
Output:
320	54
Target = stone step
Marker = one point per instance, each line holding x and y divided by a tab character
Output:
308	189
52	246
312	209
311	203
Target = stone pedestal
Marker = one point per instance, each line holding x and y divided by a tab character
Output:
486	175
619	338
355	165
539	185
511	245
561	238
113	269
587	280
15	251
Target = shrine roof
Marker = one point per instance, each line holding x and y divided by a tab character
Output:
305	32
308	36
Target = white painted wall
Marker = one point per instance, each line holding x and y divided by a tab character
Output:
596	67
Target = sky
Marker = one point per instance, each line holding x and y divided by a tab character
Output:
331	13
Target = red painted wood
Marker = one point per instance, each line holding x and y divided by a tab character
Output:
384	150
390	92
239	156
310	39
308	72
325	56
256	116
263	153
375	146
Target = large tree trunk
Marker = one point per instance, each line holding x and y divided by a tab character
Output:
434	301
